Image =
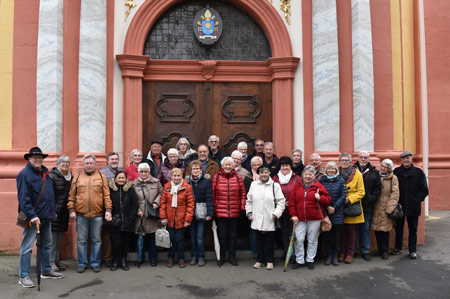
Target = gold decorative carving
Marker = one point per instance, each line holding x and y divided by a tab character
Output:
285	6
208	68
130	5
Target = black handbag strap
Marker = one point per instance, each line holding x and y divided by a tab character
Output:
39	196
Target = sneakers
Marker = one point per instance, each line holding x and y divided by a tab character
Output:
170	263
52	275
310	265
335	260
269	266
54	267
181	264
201	262
348	259
297	266
367	257
328	260
26	282
193	261
96	269
257	265
81	268
413	255
396	251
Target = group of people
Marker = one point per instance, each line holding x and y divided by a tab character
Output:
199	190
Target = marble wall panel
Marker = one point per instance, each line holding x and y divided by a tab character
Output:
325	76
363	94
49	76
92	77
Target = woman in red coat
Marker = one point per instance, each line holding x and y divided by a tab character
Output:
229	199
177	212
304	210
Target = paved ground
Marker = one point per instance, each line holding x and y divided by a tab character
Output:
426	277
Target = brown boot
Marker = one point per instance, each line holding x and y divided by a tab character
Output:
341	257
348	259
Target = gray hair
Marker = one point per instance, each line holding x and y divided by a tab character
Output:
389	164
345	155
172	151
268	143
143	166
309	168
185	140
242	144
225	160
88	156
214	136
364	152
296	150
135	150
62	158
315	155
236	152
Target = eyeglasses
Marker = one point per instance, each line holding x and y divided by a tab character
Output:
363	157
259	145
344	160
202	152
144	171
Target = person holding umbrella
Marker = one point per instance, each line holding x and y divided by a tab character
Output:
305	201
265	203
37	202
148	189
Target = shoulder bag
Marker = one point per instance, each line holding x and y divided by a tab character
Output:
325	223
352	210
278	224
150	211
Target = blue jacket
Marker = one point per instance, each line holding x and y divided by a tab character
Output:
29	184
203	193
336	189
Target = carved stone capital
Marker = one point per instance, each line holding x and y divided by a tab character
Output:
208	68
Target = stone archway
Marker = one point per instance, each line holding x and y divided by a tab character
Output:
279	70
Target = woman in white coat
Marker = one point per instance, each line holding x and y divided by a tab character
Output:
265	203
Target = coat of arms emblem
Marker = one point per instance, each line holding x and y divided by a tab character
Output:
208	26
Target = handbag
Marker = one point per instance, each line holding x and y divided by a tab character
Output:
352	210
116	221
200	211
325	223
397	213
162	238
278	224
150	211
22	219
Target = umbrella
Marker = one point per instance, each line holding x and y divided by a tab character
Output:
140	244
38	255
290	248
216	239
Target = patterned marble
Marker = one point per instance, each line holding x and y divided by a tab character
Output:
49	81
325	76
363	93
92	77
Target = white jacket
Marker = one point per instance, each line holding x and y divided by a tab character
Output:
260	202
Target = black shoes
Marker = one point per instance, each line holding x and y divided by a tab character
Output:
297	266
124	265
310	265
335	260
233	262
384	255
328	260
114	266
220	263
367	257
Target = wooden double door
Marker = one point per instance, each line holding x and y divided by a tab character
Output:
233	111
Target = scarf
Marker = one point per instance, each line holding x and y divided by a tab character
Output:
346	174
332	177
195	179
255	175
384	175
174	193
284	179
67	177
141	180
187	154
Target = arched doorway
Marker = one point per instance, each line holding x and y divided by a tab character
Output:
278	71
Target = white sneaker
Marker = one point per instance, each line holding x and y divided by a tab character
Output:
26	282
269	266
257	265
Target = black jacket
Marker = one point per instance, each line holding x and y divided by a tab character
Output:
273	165
372	186
217	156
203	193
125	203
298	169
61	188
413	189
247	163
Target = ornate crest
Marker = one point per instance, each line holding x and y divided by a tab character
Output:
208	26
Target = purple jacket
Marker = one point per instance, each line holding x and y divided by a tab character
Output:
164	171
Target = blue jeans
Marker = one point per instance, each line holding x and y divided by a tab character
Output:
365	234
84	225
177	239
197	231
29	236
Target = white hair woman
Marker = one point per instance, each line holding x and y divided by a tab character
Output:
186	153
229	199
172	161
386	203
246	157
132	170
149	189
61	178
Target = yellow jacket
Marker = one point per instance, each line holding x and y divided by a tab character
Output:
89	195
355	192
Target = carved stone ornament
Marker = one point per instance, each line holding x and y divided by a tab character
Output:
175	107
233	141
208	68
241	109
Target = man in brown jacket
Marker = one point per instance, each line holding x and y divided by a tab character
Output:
88	198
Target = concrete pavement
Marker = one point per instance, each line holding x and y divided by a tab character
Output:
426	277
